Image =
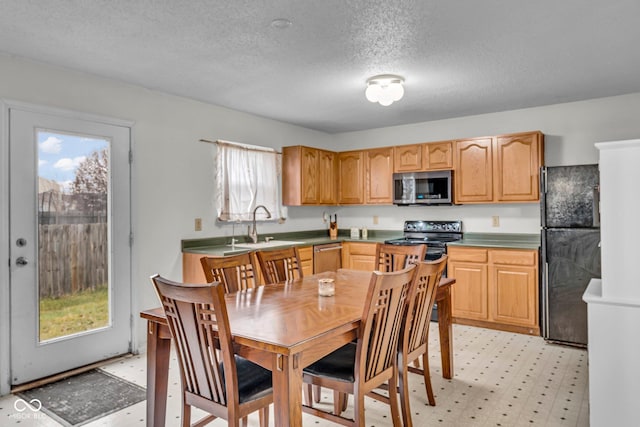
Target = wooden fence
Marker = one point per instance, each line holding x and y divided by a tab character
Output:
72	258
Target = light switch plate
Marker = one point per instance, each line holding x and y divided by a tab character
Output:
198	224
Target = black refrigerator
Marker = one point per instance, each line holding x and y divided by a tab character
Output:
570	258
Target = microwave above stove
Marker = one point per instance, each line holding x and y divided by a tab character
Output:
423	188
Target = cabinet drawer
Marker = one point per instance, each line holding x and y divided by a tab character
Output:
529	258
467	254
356	248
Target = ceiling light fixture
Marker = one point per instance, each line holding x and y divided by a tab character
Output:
384	89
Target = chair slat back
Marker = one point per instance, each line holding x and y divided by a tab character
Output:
194	313
382	321
235	272
426	281
280	265
398	257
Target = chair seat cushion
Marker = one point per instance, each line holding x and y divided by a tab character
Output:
254	381
338	365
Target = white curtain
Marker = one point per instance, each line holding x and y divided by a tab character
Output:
247	176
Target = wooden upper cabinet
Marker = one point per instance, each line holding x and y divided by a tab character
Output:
518	158
438	155
473	178
308	176
327	180
407	158
379	175
498	169
505	168
351	173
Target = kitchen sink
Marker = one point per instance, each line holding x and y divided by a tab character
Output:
266	245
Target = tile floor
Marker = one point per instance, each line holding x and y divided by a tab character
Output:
501	379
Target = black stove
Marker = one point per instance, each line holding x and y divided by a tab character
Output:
436	235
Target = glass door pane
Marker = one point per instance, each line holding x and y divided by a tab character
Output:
73	229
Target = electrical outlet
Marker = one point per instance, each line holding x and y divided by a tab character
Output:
198	224
376	219
495	221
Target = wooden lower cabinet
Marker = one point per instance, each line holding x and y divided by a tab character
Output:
192	269
495	288
470	293
359	256
306	259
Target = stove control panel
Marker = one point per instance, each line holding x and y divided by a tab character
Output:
433	226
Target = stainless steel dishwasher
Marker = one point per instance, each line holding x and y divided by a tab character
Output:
327	257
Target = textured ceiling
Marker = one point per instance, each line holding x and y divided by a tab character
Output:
459	57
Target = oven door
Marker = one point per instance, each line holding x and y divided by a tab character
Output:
434	253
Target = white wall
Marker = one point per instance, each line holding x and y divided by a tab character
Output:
570	131
172	172
172	175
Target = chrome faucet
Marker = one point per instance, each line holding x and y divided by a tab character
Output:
253	232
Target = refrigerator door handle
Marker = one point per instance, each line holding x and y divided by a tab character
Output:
596	206
545	301
543	196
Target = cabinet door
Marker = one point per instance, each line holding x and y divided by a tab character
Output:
327	182
438	155
474	171
518	160
309	176
379	176
512	294
469	294
407	158
192	268
513	287
306	259
359	256
351	172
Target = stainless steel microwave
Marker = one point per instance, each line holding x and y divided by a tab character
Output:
423	188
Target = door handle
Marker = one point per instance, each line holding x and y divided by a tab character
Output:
336	248
22	261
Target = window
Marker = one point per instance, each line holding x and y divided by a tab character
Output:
247	176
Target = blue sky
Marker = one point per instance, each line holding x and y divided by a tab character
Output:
59	154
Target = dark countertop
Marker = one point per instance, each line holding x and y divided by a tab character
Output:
220	245
499	240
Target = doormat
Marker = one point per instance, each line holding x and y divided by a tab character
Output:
77	400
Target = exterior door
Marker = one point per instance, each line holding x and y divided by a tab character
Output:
70	262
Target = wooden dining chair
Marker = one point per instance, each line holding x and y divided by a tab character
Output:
219	382
359	368
414	342
280	265
235	272
396	257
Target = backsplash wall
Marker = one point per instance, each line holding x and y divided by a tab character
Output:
513	218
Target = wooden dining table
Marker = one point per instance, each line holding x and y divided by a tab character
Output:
284	328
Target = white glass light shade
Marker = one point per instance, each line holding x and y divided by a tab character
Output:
384	89
373	92
396	90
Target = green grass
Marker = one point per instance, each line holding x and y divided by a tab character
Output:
74	313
